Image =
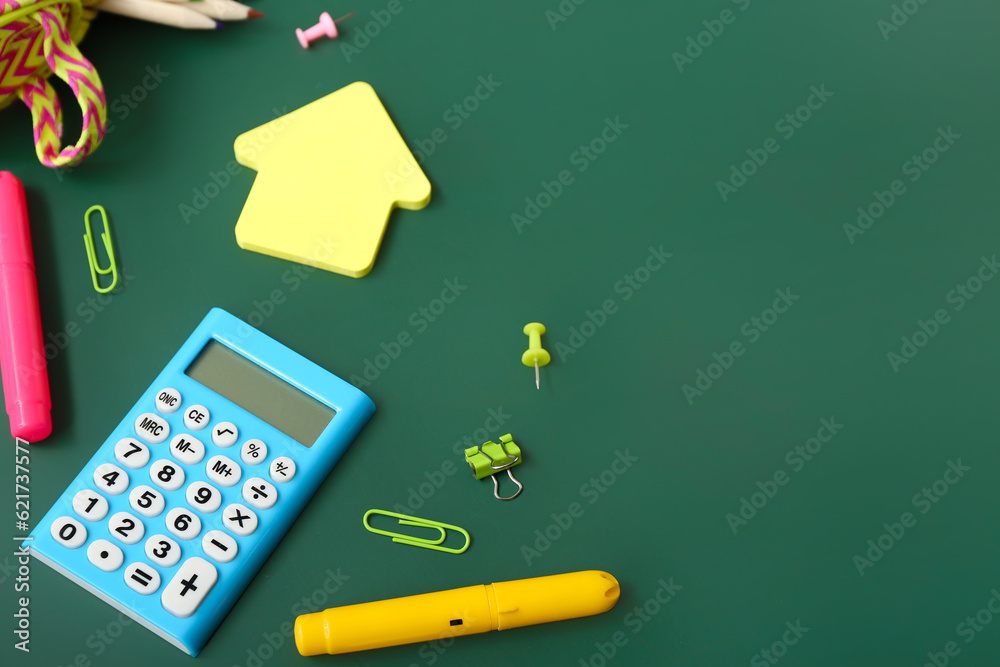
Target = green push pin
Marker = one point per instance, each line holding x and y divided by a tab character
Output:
535	355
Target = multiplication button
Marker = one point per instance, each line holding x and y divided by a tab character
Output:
105	555
239	519
168	401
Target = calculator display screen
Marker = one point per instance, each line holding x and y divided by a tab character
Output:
259	392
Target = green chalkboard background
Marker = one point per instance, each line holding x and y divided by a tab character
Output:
788	377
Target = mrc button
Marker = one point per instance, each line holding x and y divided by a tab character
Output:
152	428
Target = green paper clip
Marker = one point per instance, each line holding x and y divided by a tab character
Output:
406	520
494	458
88	241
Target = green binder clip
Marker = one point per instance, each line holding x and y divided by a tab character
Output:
495	458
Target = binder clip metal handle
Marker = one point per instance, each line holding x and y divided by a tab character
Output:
494	458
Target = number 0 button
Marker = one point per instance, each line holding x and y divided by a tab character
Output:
111	479
68	532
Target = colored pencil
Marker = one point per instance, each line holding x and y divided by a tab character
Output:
221	10
159	12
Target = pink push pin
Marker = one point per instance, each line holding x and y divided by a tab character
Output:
326	26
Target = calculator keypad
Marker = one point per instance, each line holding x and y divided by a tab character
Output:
188	588
162	550
90	505
105	555
131	453
111	479
180	528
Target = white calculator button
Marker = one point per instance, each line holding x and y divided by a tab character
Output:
282	469
254	451
167	475
131	453
203	497
146	500
187	449
183	523
223	470
240	519
259	493
219	546
141	578
111	479
196	417
126	528
188	588
167	401
90	505
68	532
225	434
152	428
105	555
162	550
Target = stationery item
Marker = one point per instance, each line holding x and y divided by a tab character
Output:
426	543
38	38
88	243
495	458
222	10
22	346
462	611
535	354
165	13
189	495
329	175
326	26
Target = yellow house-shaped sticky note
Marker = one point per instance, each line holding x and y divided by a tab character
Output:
328	176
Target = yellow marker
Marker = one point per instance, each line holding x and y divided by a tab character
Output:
329	175
462	611
535	355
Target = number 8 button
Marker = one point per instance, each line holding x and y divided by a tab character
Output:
166	475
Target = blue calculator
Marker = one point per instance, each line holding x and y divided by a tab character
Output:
192	491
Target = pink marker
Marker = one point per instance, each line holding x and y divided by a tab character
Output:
22	347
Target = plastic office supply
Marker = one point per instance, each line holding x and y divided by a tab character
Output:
22	347
326	26
88	243
535	354
462	611
495	458
192	491
407	520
